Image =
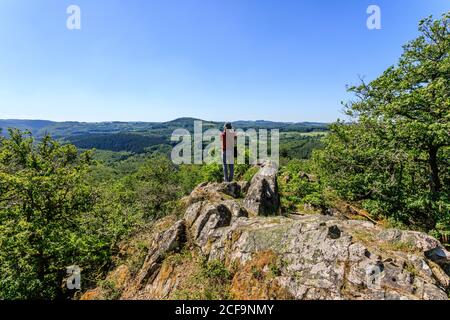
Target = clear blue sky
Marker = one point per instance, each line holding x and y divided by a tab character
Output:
212	59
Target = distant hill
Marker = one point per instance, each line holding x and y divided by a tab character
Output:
71	128
32	125
137	136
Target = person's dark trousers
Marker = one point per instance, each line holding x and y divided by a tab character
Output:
228	169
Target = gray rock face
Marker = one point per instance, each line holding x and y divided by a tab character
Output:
305	257
324	258
164	243
231	189
244	186
210	218
236	208
262	196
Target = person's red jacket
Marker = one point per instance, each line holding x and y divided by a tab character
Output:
223	137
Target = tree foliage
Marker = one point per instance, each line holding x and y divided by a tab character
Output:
43	204
55	213
394	155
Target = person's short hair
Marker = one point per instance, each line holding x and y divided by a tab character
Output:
228	126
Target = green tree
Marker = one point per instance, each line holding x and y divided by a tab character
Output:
43	201
393	156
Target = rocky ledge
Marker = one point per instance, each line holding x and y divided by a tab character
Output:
307	256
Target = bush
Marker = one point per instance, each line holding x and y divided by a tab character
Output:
298	188
216	270
212	172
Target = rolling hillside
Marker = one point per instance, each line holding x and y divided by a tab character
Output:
139	137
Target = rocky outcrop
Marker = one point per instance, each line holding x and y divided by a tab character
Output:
319	257
262	196
163	244
296	257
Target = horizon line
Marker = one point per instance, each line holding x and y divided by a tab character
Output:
175	119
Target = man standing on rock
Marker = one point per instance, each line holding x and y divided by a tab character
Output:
228	137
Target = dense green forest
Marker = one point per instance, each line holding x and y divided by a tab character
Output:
62	206
131	142
149	137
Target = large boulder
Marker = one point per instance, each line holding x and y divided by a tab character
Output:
214	192
209	218
262	196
